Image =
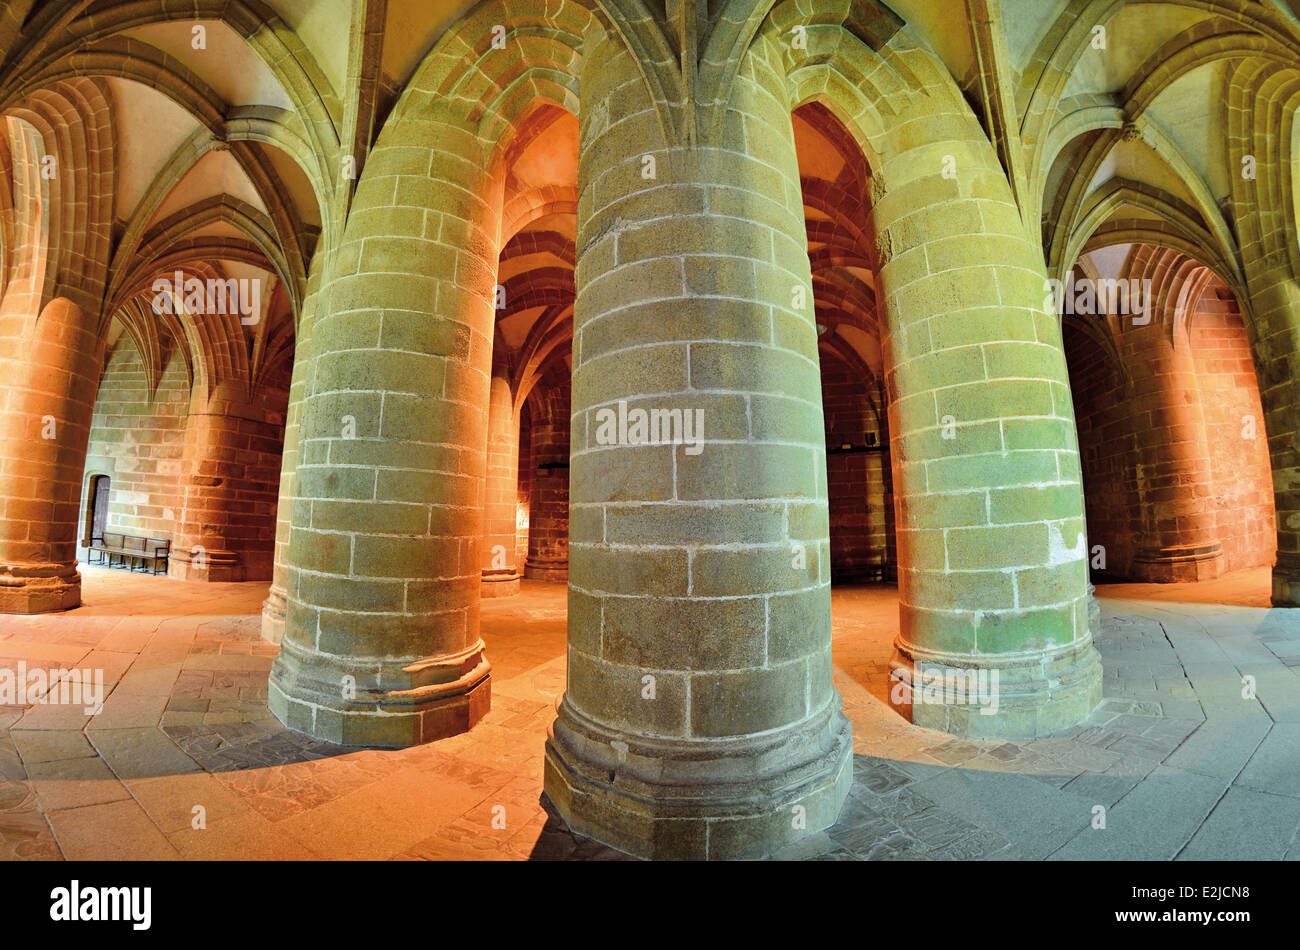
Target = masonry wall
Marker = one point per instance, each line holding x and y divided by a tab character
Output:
1107	451
525	489
1112	434
1234	422
861	502
548	516
137	438
244	448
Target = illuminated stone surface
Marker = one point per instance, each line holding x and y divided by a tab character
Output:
185	724
405	308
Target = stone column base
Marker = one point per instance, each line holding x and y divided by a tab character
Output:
421	701
209	567
500	583
39	588
273	616
1184	563
1017	697
680	799
1286	580
553	572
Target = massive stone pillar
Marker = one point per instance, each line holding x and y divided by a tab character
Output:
381	641
49	373
227	519
1175	482
994	636
548	512
699	719
273	608
501	493
1275	300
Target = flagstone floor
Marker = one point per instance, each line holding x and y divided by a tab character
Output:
1187	761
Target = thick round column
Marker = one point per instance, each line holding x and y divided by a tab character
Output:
381	642
1275	301
227	521
699	719
1175	480
501	494
548	512
273	608
994	635
49	374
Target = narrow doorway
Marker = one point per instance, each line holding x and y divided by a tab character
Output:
99	507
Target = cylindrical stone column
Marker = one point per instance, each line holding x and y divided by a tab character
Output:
381	643
501	494
228	482
699	719
548	515
994	637
273	608
49	374
1275	302
1175	481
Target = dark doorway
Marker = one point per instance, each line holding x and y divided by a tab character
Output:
99	506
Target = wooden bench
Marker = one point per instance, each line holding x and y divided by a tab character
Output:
150	554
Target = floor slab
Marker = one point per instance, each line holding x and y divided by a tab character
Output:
184	760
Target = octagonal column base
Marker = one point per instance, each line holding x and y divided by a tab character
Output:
684	799
209	567
500	583
39	588
1017	697
388	704
1286	580
273	616
1180	564
553	572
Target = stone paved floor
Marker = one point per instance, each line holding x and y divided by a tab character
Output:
1183	764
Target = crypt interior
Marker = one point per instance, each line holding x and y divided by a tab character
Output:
668	429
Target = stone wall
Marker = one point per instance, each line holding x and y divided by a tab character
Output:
548	518
1108	452
1242	473
1223	481
857	482
137	438
183	471
525	490
231	482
